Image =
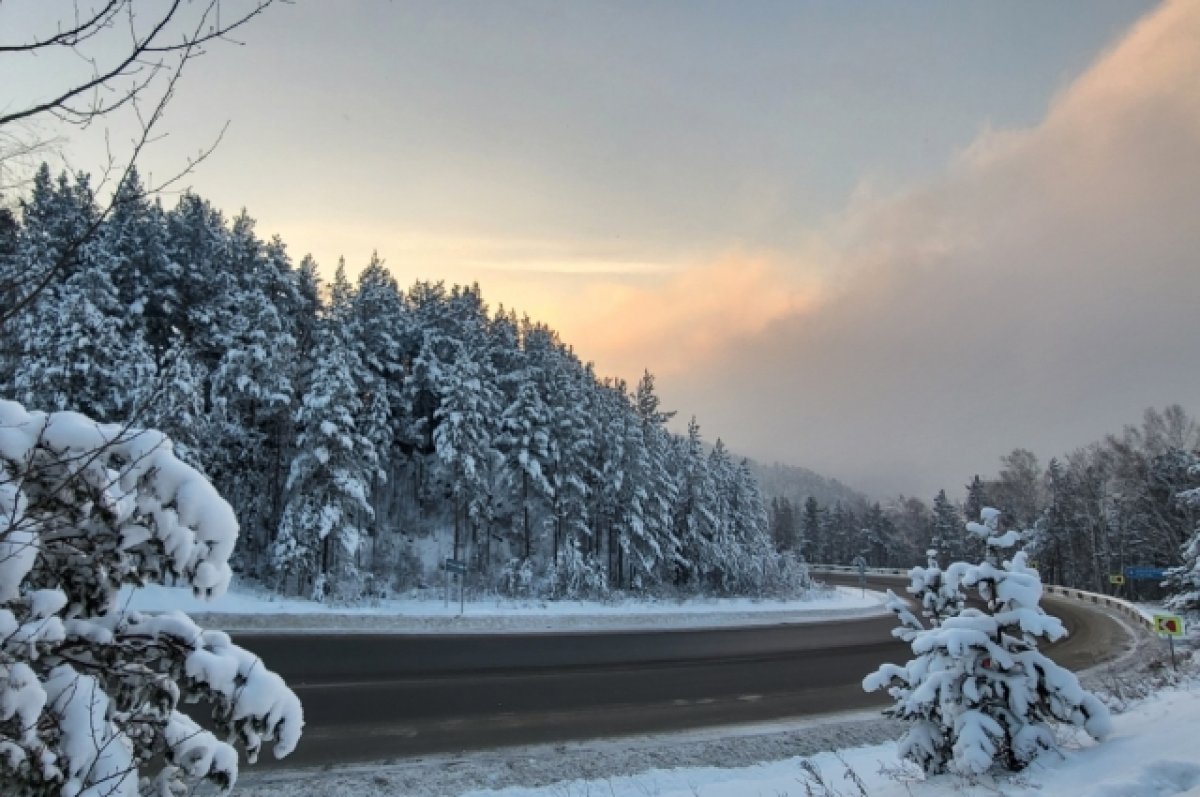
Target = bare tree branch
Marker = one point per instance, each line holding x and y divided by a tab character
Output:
150	58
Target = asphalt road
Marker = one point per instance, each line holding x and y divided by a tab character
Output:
373	697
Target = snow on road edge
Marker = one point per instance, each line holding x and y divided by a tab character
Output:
241	611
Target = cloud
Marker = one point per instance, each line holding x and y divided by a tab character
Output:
622	310
686	320
1041	292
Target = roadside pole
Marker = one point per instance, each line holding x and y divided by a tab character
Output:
462	583
861	564
459	569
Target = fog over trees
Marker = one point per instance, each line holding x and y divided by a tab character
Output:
1128	500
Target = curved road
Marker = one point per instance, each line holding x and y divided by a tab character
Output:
371	697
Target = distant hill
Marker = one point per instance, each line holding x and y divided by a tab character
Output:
799	484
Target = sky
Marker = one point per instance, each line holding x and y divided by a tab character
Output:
889	242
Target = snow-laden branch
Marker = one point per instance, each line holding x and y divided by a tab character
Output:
90	696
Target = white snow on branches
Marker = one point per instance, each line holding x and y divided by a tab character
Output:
89	696
980	694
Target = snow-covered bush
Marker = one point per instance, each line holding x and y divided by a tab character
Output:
577	575
782	575
516	579
90	695
980	694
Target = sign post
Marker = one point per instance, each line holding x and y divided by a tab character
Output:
861	564
459	569
1170	626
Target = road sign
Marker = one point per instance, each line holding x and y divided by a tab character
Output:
1117	580
1169	624
1145	573
455	566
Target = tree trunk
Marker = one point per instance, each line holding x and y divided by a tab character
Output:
525	509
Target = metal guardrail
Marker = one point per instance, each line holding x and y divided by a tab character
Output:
1124	607
1083	596
878	571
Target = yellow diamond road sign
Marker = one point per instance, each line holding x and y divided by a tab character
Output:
1169	624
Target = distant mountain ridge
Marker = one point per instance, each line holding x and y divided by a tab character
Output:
798	484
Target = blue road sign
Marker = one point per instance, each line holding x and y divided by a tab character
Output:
1145	573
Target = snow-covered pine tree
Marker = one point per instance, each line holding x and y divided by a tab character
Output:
977	498
600	467
733	563
650	548
78	347
629	495
523	441
767	570
877	537
694	520
945	529
252	401
813	544
570	446
1054	528
327	507
464	440
378	325
175	405
840	531
939	593
196	296
1183	581
980	694
134	237
93	696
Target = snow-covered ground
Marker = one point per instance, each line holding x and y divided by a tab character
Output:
244	610
1152	754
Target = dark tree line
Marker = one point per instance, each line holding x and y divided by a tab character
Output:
1126	501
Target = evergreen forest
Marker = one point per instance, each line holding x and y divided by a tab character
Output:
1130	500
364	434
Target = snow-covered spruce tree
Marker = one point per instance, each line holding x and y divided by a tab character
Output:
938	591
980	694
90	695
327	512
464	439
1184	581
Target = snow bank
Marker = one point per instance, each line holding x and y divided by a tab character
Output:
244	610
